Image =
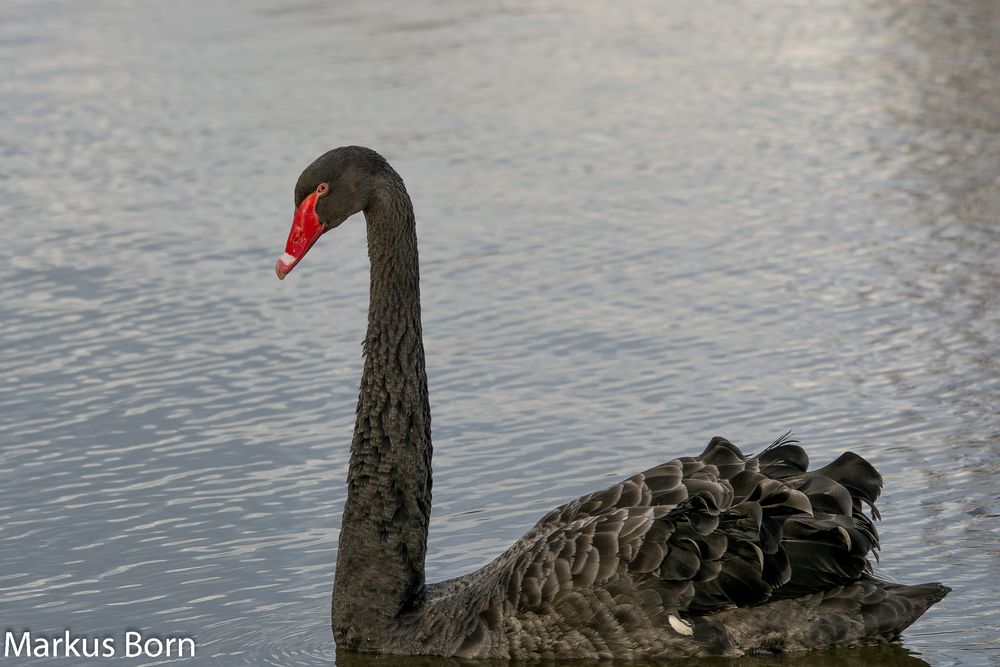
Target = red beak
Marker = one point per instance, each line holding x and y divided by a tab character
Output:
305	230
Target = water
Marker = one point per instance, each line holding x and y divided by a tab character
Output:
641	224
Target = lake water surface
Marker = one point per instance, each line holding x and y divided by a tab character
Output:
642	224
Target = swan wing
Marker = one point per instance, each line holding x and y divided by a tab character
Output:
697	534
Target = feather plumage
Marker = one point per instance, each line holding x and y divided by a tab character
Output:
718	554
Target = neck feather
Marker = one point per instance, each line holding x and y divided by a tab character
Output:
383	539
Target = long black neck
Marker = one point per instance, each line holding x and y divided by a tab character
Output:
383	538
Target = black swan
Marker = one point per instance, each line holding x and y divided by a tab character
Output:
717	554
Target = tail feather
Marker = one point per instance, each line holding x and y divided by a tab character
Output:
899	607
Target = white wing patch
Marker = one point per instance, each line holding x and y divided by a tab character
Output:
680	626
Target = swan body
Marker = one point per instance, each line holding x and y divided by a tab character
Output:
720	554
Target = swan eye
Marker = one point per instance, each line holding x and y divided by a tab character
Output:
323	188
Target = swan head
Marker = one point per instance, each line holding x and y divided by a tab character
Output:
334	187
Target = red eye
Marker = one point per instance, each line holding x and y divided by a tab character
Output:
323	188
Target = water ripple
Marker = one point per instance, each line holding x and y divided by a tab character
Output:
640	226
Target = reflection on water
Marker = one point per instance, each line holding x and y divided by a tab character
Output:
943	99
890	655
641	224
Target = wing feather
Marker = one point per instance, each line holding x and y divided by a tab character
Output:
697	534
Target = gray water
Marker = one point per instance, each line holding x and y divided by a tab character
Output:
641	225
